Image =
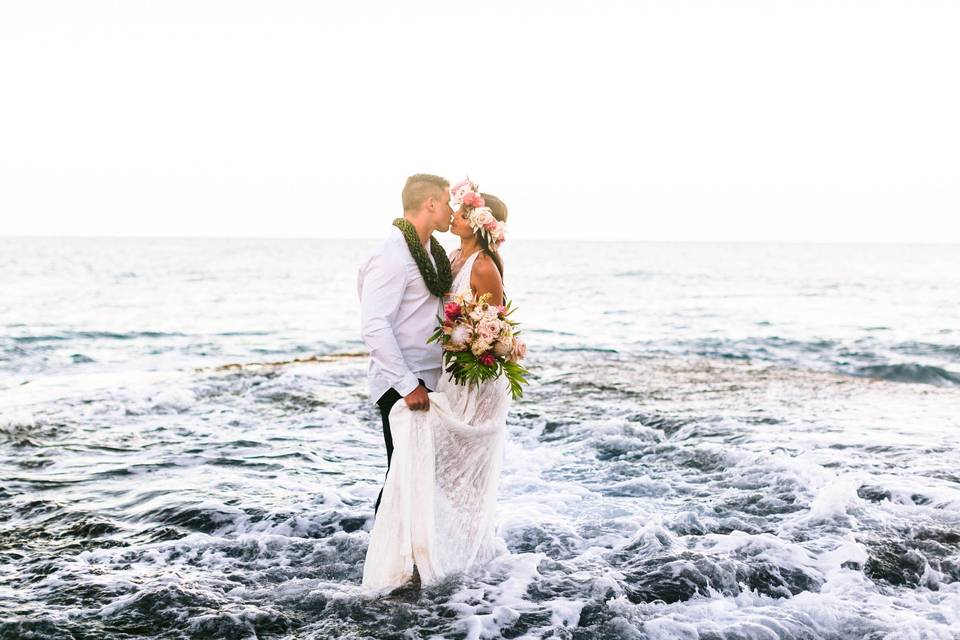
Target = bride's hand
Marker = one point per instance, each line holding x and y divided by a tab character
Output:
418	400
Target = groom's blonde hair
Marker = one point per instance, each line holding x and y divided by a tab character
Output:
419	187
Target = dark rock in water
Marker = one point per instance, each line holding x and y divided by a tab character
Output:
873	493
661	580
776	581
598	621
525	622
551	426
723	523
556	542
90	528
194	518
676	578
240	625
36	629
903	561
668	424
594	613
291	401
352	524
892	562
703	460
760	504
943	536
156	609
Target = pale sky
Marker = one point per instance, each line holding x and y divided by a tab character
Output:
789	121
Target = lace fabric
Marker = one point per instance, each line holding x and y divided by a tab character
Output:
438	509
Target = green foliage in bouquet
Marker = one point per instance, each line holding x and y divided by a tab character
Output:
493	335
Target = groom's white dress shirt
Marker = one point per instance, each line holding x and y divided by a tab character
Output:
397	315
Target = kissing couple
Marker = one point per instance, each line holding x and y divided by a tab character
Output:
443	362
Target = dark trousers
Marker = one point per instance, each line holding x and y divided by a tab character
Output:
385	403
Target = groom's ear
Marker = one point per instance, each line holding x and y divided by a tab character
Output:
439	199
436	199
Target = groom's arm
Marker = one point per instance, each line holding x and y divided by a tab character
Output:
380	295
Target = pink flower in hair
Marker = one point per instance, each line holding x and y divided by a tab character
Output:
473	199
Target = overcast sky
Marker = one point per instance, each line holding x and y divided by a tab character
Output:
790	121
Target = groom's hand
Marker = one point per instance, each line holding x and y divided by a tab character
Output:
418	400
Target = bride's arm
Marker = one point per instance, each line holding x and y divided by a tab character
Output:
485	278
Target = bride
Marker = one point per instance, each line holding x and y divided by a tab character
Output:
437	510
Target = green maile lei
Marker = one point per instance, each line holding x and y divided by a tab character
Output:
438	280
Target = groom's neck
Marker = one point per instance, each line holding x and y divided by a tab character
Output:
421	224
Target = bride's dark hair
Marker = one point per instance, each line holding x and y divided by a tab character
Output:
499	210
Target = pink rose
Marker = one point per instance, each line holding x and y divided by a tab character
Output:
490	226
519	350
488	330
502	310
473	199
487	359
452	311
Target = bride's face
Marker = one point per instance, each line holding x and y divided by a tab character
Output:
459	225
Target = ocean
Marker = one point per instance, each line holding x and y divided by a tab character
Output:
719	441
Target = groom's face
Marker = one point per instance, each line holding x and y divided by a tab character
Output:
441	211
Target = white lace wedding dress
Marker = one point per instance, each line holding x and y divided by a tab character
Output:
439	498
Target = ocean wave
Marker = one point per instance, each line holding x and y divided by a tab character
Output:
96	335
910	372
927	349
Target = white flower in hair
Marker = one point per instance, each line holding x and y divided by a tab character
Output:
459	191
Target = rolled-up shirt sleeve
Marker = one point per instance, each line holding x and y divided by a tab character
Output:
381	284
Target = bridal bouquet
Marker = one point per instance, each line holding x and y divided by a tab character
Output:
480	342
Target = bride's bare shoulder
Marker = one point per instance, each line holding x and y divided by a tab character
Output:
485	272
484	261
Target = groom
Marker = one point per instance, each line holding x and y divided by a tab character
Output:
401	287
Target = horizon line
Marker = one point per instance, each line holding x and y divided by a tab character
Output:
547	239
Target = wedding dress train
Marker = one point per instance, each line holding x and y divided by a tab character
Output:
438	505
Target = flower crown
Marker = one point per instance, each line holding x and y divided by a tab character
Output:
480	217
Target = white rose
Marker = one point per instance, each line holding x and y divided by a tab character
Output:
484	216
480	347
502	348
